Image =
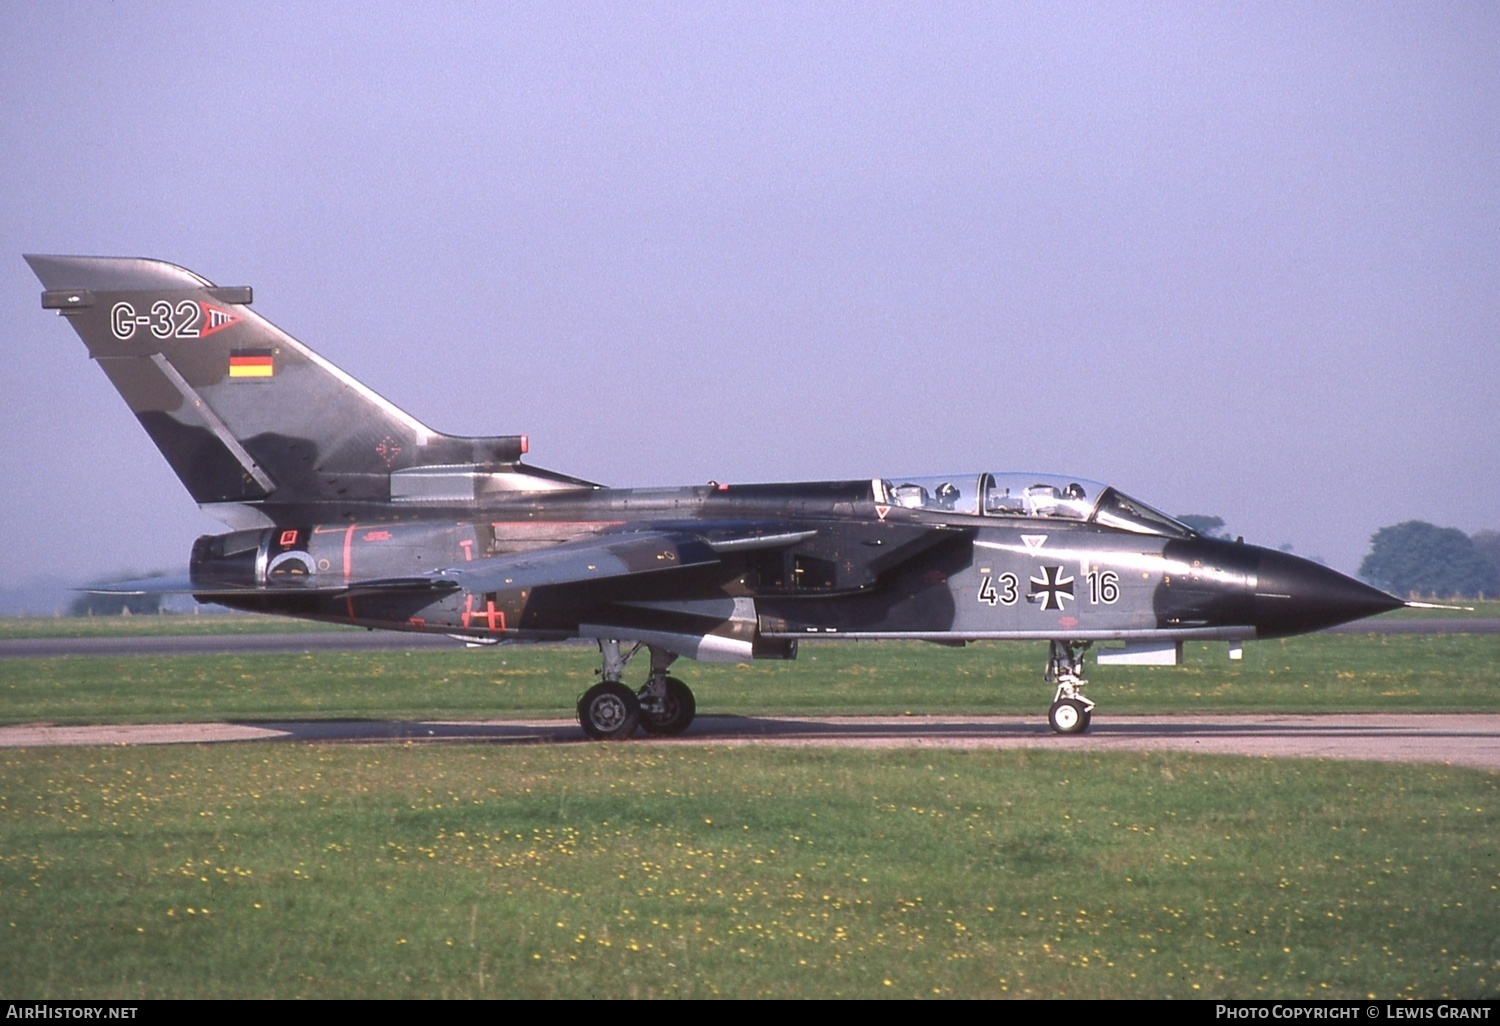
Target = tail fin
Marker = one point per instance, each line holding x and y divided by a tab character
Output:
243	412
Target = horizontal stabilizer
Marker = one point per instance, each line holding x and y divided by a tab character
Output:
146	586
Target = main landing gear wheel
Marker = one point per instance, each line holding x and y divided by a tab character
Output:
1068	716
672	714
609	711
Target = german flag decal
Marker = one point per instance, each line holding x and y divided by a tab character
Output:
251	363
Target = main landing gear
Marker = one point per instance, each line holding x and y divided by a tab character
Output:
1071	712
610	711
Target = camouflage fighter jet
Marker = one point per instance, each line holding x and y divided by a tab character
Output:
346	509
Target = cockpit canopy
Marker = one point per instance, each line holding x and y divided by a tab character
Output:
1029	496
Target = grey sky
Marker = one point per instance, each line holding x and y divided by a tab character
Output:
1234	259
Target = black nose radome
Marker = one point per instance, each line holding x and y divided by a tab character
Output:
1294	595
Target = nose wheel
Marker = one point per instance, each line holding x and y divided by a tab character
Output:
1071	712
1069	716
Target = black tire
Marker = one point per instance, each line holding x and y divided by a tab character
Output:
1068	716
609	712
679	708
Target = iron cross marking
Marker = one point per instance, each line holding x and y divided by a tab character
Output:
1052	587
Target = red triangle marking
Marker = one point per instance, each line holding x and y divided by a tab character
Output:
215	319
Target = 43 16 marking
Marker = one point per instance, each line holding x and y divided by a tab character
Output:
1005	590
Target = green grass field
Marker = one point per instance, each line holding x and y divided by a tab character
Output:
1345	673
642	870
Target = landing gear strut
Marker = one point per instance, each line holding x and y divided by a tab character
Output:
1071	712
610	711
667	704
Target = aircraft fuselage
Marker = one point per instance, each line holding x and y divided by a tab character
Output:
859	568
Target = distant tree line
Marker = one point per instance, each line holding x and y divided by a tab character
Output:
1418	558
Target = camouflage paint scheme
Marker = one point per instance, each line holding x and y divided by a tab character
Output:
347	509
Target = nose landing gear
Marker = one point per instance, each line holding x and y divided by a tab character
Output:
1071	712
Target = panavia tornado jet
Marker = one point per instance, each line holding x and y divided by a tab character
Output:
344	508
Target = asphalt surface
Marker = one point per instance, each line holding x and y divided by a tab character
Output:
352	640
1459	740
